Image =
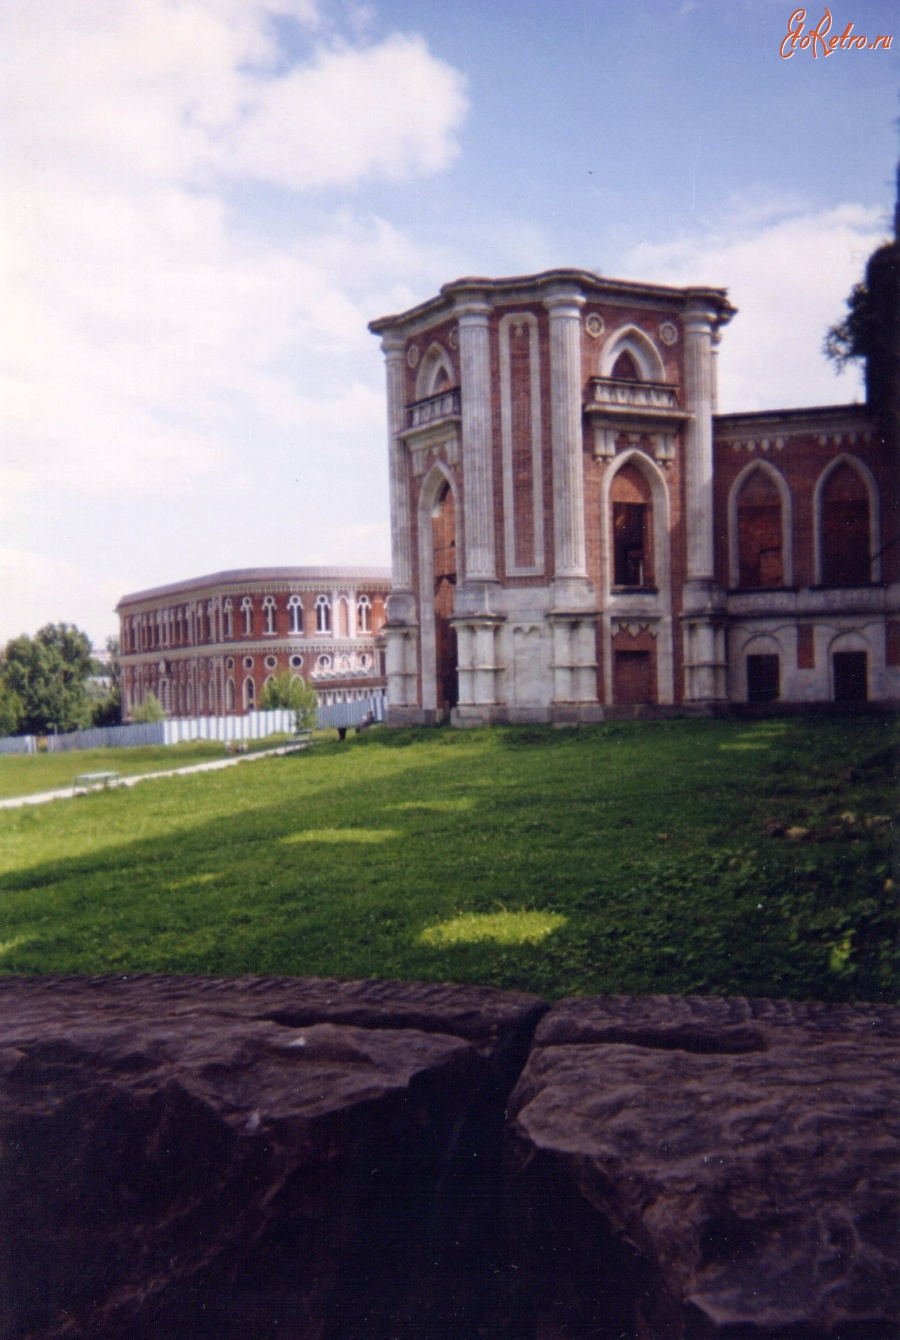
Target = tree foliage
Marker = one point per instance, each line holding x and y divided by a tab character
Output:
853	337
10	710
48	674
294	693
106	689
151	709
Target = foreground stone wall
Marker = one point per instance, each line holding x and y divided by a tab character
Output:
283	1159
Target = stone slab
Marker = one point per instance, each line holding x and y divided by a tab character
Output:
691	1168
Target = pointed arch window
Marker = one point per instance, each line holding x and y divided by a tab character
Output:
249	694
364	615
323	614
625	369
229	695
295	611
759	532
247	614
269	615
229	617
845	529
632	529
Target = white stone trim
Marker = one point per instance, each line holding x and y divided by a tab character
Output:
437	476
640	606
868	479
436	358
536	568
629	339
787	523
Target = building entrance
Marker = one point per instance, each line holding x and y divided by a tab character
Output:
443	536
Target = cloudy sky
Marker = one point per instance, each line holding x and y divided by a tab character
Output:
205	201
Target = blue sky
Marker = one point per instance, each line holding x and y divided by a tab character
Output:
205	201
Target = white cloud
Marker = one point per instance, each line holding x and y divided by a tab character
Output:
390	110
38	589
141	324
788	271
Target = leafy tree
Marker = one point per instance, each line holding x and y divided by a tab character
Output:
48	673
294	693
855	336
151	709
106	689
10	710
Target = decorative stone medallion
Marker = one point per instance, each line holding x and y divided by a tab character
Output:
595	325
412	355
668	332
453	338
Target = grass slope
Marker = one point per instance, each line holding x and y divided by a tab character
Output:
29	774
622	858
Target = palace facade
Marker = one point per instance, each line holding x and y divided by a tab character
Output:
207	647
577	532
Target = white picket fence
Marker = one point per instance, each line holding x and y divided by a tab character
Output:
251	726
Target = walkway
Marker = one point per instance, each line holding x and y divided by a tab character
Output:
67	792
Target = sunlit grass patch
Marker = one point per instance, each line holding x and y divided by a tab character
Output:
7	946
192	881
504	928
744	744
448	806
338	835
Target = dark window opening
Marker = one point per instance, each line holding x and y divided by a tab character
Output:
846	559
443	537
759	533
625	369
851	676
763	679
629	548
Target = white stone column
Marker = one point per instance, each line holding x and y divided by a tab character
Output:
704	652
564	306
351	613
698	322
401	535
478	476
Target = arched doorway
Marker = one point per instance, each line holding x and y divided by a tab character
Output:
443	542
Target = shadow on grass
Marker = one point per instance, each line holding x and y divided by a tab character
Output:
340	862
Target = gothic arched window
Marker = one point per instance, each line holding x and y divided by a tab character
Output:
759	532
846	555
632	528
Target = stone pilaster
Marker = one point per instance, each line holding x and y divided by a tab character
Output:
478	649
570	564
401	532
698	322
574	666
704	636
473	314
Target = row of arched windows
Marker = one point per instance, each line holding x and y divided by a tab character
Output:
761	527
190	625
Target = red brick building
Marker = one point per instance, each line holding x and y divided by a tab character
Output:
206	647
576	530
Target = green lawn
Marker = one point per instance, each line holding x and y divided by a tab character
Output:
628	857
28	774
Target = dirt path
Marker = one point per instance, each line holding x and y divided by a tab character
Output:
67	792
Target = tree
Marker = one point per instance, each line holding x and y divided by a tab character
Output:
292	692
10	710
106	688
150	710
855	336
48	673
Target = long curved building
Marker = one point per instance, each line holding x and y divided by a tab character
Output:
207	646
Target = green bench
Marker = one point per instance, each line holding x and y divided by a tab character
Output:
95	781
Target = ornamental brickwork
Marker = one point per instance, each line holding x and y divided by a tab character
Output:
207	647
576	531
